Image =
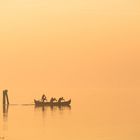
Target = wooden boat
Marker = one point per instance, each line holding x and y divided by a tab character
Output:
40	103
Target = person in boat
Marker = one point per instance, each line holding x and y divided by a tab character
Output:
53	99
44	98
61	99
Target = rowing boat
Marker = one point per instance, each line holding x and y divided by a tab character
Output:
41	103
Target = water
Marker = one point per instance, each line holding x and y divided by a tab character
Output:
102	115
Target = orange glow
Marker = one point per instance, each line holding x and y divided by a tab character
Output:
69	48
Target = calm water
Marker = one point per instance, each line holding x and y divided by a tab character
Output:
93	116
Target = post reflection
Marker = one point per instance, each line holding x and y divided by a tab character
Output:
5	112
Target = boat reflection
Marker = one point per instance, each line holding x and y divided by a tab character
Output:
53	108
61	108
47	111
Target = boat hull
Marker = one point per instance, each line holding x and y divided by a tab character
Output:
40	103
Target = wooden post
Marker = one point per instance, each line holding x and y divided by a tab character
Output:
5	97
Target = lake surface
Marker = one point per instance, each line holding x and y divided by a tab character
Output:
98	115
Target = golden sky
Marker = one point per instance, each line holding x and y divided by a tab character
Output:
48	44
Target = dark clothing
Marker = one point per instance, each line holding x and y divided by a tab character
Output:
44	98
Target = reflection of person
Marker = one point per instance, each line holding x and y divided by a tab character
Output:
44	98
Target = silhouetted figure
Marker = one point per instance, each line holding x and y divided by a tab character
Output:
61	99
44	98
53	99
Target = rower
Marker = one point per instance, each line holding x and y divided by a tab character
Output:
61	99
53	99
44	98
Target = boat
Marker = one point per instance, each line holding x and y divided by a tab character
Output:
41	103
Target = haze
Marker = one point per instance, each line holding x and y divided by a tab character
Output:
52	45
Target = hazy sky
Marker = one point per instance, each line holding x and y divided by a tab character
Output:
48	44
